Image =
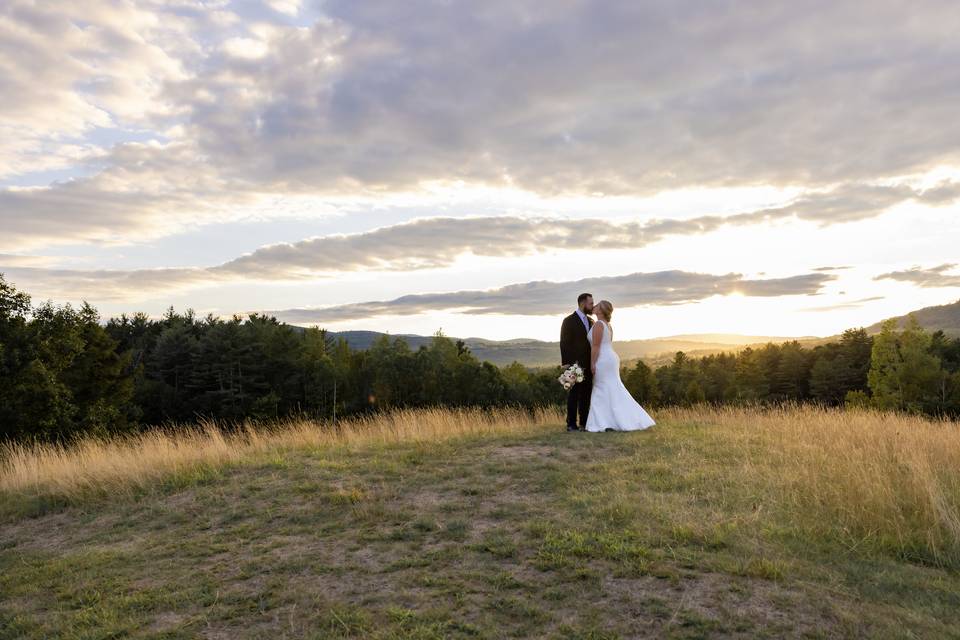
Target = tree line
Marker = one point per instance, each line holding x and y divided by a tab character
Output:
64	373
906	370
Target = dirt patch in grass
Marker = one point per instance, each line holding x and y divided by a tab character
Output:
519	452
735	607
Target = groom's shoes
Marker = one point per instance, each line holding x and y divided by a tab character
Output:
571	427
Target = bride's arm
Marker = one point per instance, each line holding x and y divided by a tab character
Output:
596	339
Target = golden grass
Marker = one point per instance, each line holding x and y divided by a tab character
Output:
124	464
881	480
870	479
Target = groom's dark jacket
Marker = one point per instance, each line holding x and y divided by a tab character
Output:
574	343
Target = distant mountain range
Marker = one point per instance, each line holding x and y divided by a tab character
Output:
945	317
654	351
537	353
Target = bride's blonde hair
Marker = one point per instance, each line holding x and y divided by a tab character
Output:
606	308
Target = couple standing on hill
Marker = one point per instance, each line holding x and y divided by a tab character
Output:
602	401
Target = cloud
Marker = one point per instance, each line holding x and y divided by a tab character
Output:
438	242
843	268
20	260
927	278
942	194
853	304
289	7
426	243
149	190
543	297
849	203
69	68
387	95
153	190
381	97
103	285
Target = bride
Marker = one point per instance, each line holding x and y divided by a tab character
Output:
612	408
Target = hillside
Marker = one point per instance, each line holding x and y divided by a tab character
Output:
721	524
654	351
536	353
943	317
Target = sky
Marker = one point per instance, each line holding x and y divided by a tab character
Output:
776	168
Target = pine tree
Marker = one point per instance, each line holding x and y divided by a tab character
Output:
99	379
751	380
792	374
641	383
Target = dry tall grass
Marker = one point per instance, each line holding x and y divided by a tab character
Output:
125	464
868	478
881	480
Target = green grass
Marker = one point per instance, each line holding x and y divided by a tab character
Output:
556	535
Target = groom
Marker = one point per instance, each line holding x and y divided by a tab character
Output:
575	348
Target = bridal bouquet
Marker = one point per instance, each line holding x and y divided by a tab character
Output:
572	375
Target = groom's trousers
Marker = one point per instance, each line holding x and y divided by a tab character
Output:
578	401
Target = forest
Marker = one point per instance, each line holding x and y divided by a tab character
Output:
65	373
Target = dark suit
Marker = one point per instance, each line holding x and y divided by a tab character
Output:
575	348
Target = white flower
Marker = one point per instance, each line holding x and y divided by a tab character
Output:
571	375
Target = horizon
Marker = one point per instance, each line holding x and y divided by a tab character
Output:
692	337
472	168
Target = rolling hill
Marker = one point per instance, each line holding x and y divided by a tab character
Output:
945	317
537	353
654	351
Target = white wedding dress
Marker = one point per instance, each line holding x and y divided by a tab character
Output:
611	405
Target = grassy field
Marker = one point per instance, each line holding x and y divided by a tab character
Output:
715	523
